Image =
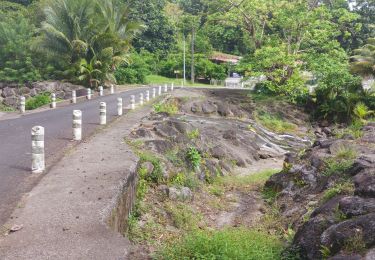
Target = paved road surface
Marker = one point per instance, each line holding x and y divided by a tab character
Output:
15	146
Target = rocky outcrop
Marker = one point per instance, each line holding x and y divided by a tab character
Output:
10	93
330	191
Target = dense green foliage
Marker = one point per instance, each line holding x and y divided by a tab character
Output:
329	44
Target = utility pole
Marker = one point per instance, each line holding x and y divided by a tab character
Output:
192	56
184	61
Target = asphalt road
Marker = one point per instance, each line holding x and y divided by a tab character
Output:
15	143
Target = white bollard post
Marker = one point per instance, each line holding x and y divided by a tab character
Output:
172	87
22	104
119	106
147	95
101	91
88	94
159	90
53	99
103	113
141	99
112	90
132	102
165	88
154	93
74	97
38	164
77	125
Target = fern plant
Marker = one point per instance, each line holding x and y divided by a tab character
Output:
361	111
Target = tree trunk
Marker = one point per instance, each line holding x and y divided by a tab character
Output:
192	57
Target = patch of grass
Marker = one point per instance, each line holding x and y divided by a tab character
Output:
5	108
346	153
240	244
193	135
346	188
245	181
274	123
170	107
182	216
355	130
334	166
269	195
138	233
38	101
216	190
355	244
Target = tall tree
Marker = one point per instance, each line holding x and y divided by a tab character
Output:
159	35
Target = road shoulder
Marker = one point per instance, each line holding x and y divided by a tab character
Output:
64	216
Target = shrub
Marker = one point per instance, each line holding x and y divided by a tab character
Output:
240	244
38	101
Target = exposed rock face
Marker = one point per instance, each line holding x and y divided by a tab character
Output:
10	93
341	199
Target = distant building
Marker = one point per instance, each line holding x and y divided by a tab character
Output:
219	57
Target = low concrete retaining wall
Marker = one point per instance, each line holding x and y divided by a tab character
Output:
119	218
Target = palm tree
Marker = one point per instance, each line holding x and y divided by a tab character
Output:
97	30
89	72
66	30
364	59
